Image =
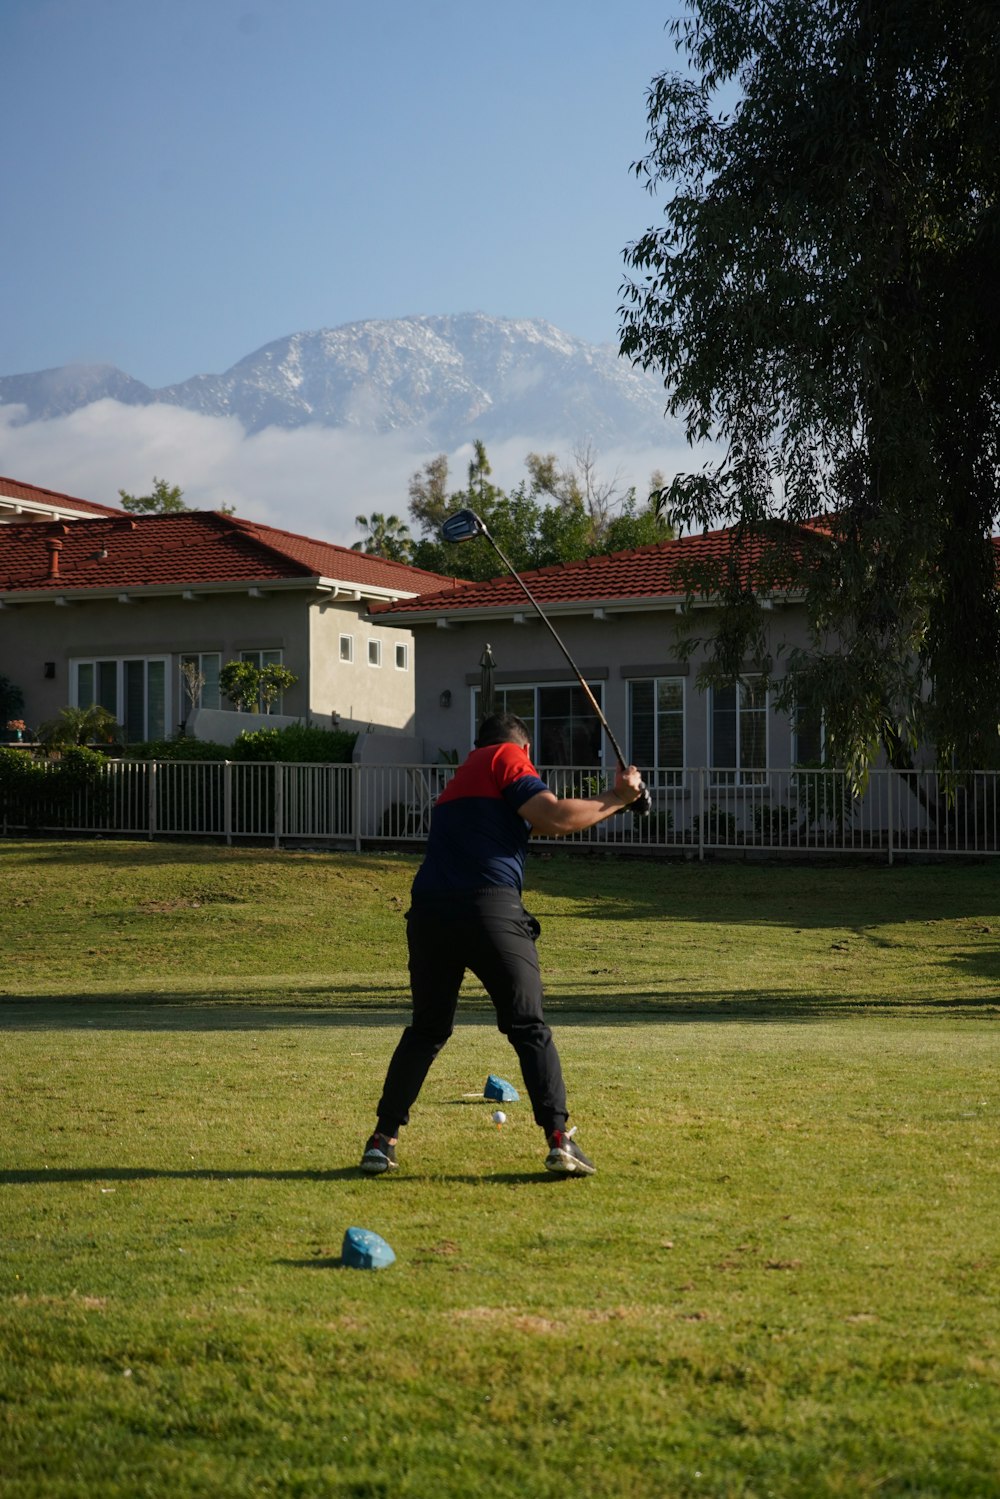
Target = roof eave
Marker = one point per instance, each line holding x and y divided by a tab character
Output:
24	509
356	591
192	588
348	592
647	604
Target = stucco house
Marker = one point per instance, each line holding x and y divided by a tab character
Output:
622	617
111	607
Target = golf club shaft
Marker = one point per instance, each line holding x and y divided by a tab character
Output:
576	670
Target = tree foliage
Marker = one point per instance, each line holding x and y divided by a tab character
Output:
239	682
557	514
36	792
385	536
73	727
821	298
249	686
165	499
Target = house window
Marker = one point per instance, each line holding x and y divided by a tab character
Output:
374	653
204	664
402	658
738	732
347	647
261	659
562	725
132	688
809	737
656	725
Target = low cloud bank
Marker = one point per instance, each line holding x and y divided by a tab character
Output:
313	480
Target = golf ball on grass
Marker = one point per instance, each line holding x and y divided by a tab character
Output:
499	1117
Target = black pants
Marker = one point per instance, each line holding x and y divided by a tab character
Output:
492	934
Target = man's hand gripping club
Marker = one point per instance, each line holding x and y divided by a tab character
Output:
555	817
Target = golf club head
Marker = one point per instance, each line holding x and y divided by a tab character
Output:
464	525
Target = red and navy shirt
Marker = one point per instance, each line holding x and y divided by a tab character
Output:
477	839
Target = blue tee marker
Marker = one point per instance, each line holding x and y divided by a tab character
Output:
364	1250
499	1090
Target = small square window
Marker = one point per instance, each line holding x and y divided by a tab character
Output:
402	658
347	647
374	653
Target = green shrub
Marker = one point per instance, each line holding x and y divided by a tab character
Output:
240	683
41	793
774	825
720	827
178	749
79	726
658	827
274	680
296	742
825	798
18	774
79	769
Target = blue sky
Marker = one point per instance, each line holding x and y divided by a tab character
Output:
186	180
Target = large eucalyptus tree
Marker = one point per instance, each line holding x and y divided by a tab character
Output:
822	297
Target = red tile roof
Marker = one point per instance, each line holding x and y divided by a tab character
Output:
662	570
327	560
186	550
34	493
667	571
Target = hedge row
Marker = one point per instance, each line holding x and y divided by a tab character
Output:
295	743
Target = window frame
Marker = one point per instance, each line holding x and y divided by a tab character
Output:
199	657
534	717
665	775
376	644
739	774
153	726
819	731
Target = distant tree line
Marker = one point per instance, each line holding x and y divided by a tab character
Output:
556	514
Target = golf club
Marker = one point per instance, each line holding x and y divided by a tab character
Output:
465	525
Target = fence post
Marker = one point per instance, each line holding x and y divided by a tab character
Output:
888	782
151	801
227	798
356	804
279	802
701	813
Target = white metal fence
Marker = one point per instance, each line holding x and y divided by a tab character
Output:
695	812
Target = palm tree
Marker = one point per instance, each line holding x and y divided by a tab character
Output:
75	726
387	536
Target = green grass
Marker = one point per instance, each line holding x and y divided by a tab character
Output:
781	1281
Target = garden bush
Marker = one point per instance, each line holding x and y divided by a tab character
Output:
37	792
296	742
178	749
774	825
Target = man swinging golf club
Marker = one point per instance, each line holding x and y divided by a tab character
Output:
466	913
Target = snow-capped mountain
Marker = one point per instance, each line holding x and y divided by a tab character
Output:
446	379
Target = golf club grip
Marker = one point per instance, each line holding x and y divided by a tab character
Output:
643	804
